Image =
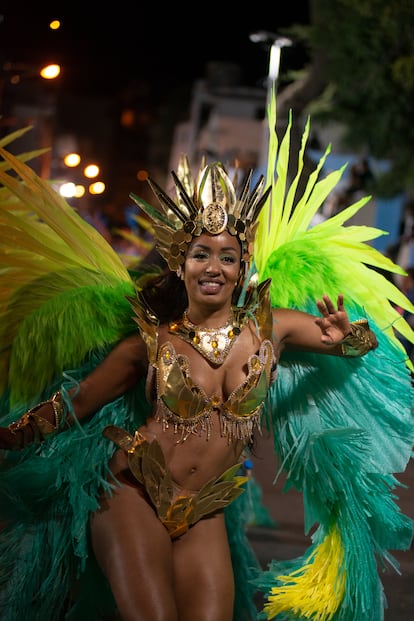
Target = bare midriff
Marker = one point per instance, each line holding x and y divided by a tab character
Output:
197	460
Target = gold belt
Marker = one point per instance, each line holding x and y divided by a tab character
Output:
147	463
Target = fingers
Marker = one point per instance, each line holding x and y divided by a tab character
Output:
326	306
340	302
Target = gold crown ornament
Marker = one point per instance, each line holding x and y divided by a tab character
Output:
210	205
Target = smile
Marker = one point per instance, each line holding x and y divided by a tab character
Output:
210	286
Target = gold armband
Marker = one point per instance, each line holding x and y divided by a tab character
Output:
360	341
36	428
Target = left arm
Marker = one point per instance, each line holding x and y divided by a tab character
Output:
331	333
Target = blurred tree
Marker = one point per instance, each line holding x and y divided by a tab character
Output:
362	75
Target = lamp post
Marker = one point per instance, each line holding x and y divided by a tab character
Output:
274	42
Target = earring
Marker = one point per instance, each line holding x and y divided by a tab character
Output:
179	272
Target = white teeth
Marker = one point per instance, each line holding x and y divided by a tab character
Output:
210	285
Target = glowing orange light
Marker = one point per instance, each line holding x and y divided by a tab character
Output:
50	72
91	171
72	159
142	175
97	188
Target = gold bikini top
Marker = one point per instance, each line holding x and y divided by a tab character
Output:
185	405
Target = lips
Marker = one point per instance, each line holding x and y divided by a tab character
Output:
210	286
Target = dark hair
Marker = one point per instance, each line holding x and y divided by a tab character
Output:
166	296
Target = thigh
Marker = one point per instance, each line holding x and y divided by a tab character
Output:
134	551
203	572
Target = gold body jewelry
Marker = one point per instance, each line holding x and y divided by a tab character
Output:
185	406
36	428
213	343
178	513
360	341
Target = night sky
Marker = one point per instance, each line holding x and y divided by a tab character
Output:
100	51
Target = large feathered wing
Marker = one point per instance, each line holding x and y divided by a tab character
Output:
63	306
63	288
342	426
64	302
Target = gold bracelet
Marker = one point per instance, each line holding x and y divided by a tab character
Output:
58	409
360	340
36	428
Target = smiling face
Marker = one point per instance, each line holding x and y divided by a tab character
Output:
211	270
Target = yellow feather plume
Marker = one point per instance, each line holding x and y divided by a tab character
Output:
316	590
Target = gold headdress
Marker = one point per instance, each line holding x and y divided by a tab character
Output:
210	205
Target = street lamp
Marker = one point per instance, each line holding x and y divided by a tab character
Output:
50	72
15	73
275	43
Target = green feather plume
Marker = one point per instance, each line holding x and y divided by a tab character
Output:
329	258
63	288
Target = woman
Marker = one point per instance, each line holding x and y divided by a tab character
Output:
209	355
172	583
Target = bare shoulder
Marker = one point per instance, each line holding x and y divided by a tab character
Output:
133	349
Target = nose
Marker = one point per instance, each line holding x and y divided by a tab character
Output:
213	266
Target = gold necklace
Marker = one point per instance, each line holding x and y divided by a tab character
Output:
213	343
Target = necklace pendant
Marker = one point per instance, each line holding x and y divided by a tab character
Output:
213	343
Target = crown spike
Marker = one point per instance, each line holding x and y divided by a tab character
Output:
184	198
166	202
209	205
185	175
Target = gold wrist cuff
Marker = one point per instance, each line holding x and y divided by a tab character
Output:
58	409
360	341
36	428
